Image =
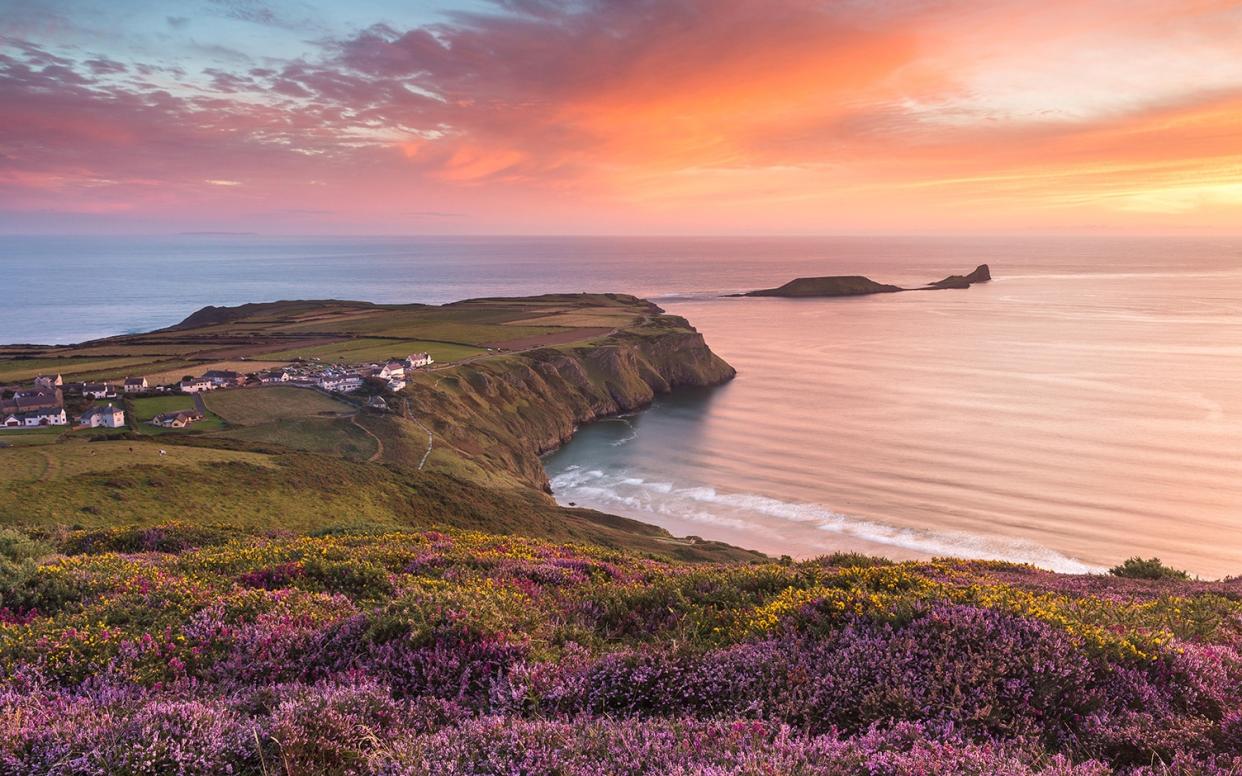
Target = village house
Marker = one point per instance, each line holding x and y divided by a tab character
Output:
98	390
415	360
32	399
34	419
196	385
274	377
396	384
106	416
179	419
135	384
224	378
340	383
49	381
390	370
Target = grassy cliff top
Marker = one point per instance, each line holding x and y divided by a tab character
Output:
255	336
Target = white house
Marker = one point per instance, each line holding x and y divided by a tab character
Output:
97	390
274	377
396	384
197	385
106	416
11	420
339	383
415	360
223	378
390	370
135	384
45	417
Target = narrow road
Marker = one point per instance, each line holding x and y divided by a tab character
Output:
199	404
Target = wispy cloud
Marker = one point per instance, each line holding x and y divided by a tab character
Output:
546	114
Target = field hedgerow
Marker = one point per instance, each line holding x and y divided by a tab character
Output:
186	650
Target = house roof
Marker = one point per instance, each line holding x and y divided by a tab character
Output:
41	413
135	380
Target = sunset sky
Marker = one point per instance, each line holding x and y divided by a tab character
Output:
620	116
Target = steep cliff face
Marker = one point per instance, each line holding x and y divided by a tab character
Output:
500	414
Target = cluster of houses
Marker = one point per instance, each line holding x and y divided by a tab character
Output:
337	378
43	404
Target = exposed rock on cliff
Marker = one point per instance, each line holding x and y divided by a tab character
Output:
981	274
500	414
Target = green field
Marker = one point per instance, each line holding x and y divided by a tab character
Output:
77	369
145	409
255	406
75	458
296	418
372	349
334	436
474	326
31	436
21	369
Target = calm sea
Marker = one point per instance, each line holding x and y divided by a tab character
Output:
1084	407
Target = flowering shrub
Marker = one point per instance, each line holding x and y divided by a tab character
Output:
185	651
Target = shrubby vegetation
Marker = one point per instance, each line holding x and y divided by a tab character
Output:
1149	568
187	650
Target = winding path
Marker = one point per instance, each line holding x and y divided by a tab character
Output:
409	415
379	443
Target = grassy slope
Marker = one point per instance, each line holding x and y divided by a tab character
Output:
374	349
272	403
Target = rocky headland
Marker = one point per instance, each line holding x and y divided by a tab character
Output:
858	285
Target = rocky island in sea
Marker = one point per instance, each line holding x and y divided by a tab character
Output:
858	285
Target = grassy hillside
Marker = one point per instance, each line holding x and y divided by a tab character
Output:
178	649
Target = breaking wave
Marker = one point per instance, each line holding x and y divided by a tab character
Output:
642	498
